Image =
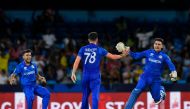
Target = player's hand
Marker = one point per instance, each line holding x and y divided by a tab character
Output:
122	48
12	81
173	76
43	81
73	78
126	51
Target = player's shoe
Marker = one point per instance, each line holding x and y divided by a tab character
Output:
163	96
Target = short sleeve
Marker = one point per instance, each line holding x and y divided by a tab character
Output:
80	53
17	70
169	63
36	69
104	52
138	55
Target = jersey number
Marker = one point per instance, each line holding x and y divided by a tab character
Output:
90	57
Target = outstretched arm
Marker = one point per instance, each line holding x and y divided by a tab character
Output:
126	50
137	55
114	56
75	67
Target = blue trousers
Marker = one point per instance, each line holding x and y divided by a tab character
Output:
154	85
32	90
90	86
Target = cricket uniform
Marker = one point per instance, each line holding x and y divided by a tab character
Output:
151	77
91	56
27	74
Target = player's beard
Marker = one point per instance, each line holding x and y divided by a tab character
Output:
158	49
28	61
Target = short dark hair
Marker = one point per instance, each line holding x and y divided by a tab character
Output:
93	36
27	51
159	39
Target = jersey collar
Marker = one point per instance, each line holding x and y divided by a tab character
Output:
92	44
156	51
24	63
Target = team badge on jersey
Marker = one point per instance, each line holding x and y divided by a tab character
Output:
32	66
151	54
25	68
160	56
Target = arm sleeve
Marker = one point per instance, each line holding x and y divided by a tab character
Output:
80	53
169	63
138	55
17	70
104	52
36	69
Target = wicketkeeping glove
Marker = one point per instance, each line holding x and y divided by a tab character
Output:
121	47
173	76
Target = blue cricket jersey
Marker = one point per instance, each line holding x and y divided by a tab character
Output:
155	61
91	56
27	73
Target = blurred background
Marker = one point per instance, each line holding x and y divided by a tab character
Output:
55	30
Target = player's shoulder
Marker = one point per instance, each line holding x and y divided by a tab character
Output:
86	46
149	51
82	48
90	46
21	64
33	64
164	54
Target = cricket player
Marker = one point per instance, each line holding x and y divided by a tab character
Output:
91	56
151	77
27	71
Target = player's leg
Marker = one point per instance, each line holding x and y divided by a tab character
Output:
135	93
85	94
157	92
44	93
162	93
29	94
95	88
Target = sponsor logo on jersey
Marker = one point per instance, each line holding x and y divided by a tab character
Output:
154	60
32	66
25	68
29	73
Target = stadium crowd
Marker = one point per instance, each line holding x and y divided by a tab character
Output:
55	43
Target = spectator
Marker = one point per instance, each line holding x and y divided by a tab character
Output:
186	66
144	38
4	58
3	77
49	38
